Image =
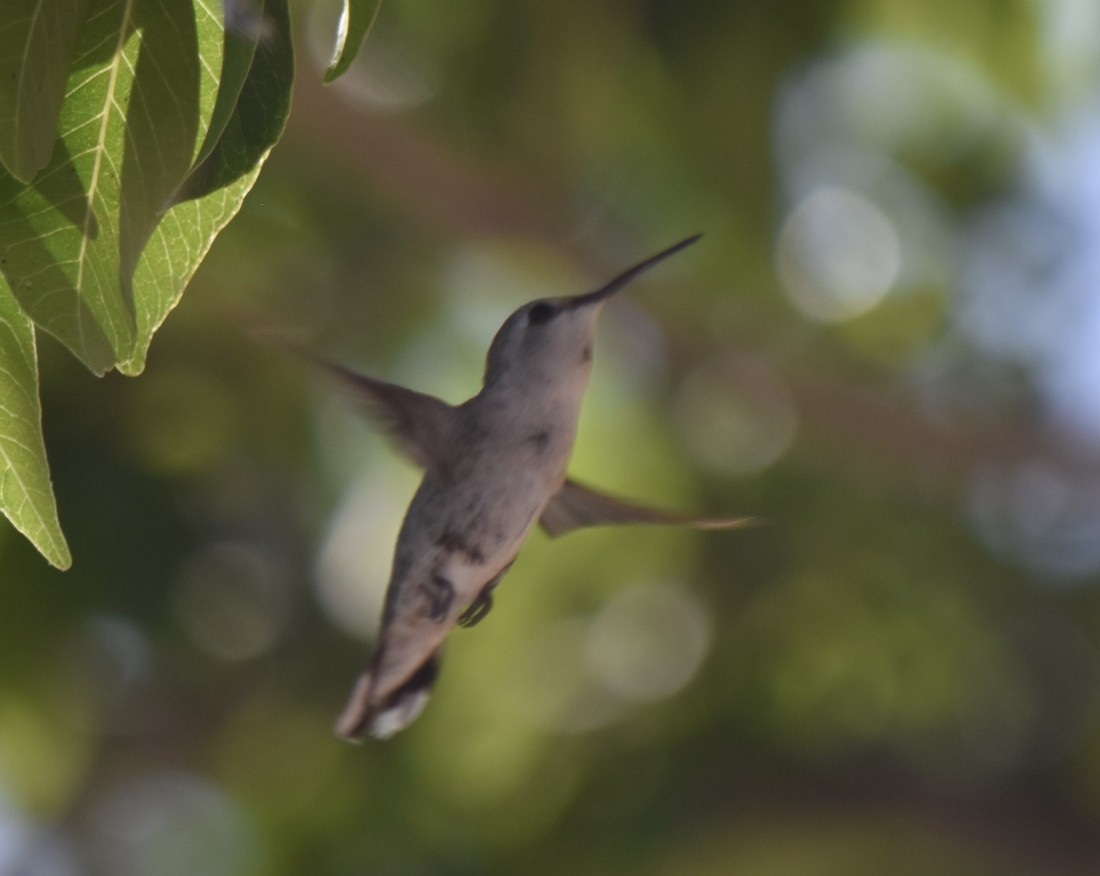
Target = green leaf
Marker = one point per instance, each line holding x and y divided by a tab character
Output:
145	91
128	130
26	497
214	193
356	18
37	42
237	55
252	107
98	248
161	129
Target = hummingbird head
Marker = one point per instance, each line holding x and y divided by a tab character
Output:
549	340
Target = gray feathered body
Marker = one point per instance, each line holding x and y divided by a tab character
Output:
506	457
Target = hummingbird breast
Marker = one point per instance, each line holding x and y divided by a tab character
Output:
455	540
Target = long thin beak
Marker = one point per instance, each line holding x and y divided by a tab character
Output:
630	274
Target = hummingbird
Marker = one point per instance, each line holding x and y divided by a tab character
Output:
494	468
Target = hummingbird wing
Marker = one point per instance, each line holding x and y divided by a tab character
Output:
575	506
420	425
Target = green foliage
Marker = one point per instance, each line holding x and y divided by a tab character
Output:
130	132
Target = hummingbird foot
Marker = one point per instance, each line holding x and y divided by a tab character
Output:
479	608
441	595
483	602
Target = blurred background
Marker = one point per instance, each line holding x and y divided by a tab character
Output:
887	345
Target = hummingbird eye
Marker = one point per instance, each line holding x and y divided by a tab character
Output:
540	314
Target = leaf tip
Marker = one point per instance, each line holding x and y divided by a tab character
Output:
61	560
356	19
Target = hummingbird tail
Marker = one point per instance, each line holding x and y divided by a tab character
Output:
396	712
